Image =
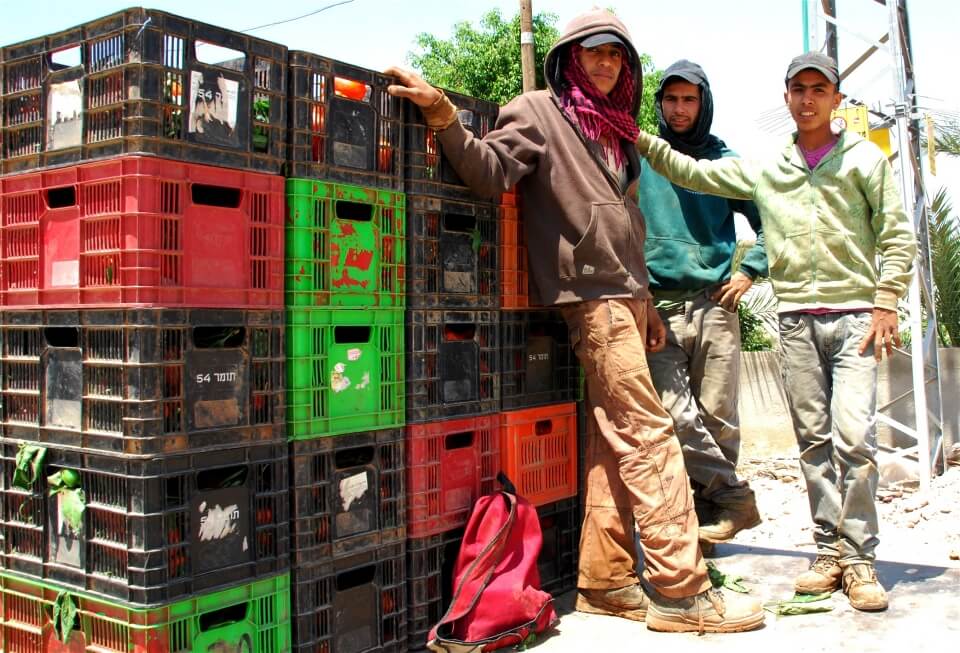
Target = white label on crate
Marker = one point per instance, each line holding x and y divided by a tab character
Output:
338	380
352	488
217	523
364	381
354	354
66	273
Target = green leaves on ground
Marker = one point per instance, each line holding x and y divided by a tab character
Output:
719	579
800	604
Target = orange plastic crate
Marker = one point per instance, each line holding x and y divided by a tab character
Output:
514	268
538	451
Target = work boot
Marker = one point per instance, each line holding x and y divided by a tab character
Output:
861	586
822	576
629	602
731	515
712	611
707	549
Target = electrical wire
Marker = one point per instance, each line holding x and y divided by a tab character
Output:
290	20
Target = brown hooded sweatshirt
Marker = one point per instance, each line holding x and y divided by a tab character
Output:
585	235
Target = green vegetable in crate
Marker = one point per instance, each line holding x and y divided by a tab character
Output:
73	501
28	465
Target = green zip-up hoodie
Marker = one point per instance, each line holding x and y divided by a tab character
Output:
823	227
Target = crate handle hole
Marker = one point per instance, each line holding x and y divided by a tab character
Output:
458	440
544	427
351	89
61	198
356	211
356	577
229	615
66	337
345	335
223	196
66	58
210	337
459	331
459	222
222	477
217	55
354	457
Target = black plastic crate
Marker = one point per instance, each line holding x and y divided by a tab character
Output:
152	530
347	494
143	382
537	364
453	362
145	81
425	170
452	254
430	562
352	604
560	526
344	126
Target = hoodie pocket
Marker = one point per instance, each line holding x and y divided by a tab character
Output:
603	247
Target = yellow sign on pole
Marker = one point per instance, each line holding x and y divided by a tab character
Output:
931	145
853	118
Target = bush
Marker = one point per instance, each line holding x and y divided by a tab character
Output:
753	337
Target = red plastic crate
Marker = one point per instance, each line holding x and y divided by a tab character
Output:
142	231
538	451
450	464
514	265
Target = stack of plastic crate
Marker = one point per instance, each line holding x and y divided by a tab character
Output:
345	298
453	379
143	463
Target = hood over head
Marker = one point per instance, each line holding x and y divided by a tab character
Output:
589	24
698	141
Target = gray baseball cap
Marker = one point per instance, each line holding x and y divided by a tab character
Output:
814	61
594	40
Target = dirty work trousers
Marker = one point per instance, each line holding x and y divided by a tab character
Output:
832	392
634	466
697	375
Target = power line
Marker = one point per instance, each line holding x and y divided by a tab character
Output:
290	20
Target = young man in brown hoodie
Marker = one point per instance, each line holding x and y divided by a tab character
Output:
569	151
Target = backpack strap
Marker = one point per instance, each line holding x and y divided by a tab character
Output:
483	567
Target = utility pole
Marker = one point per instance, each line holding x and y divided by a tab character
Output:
527	53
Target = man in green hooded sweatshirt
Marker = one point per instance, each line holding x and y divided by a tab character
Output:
690	244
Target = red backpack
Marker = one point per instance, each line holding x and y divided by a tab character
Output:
497	600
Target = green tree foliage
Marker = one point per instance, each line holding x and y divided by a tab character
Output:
945	262
484	61
753	337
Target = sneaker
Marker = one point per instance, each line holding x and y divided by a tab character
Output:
861	586
629	602
712	611
822	576
730	516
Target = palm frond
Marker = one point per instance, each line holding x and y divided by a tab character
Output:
944	234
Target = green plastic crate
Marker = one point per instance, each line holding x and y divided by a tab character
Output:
254	617
346	245
345	371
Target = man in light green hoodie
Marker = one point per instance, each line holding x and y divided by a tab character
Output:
829	205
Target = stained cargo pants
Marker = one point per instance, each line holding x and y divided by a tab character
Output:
697	375
635	474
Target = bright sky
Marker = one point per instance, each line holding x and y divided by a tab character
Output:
744	45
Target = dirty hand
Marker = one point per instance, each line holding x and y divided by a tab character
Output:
884	333
411	87
730	293
656	331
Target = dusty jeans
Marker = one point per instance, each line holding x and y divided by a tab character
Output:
697	376
634	465
832	392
